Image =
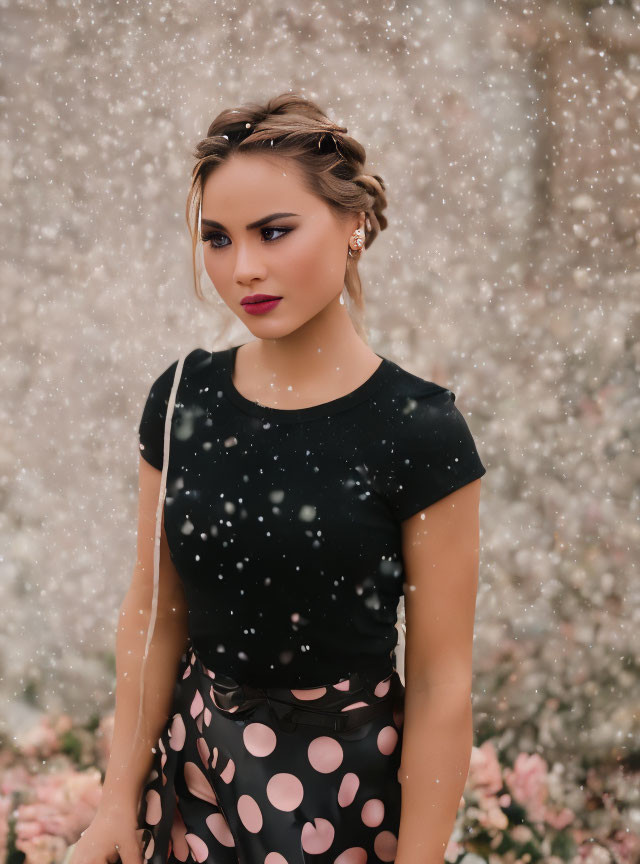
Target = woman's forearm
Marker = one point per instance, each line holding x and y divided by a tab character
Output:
436	752
131	757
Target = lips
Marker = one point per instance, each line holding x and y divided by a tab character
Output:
261	306
258	298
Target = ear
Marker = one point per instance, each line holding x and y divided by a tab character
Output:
358	221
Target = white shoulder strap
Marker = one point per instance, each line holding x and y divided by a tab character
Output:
401	627
156	546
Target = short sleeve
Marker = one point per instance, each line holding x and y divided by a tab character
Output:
151	428
429	453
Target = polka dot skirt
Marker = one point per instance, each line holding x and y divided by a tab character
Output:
275	776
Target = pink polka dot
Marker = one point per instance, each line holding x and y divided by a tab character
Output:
207	717
385	846
203	750
214	758
387	740
316	838
154	807
259	739
355	705
196	704
342	685
373	812
148	852
355	855
249	813
180	847
348	789
275	858
177	733
198	784
198	847
325	754
382	688
229	771
217	824
309	693
186	673
285	791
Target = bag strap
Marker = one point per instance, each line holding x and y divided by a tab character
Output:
401	627
156	546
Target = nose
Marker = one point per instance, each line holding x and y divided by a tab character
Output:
249	264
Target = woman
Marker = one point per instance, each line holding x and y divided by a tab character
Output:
310	483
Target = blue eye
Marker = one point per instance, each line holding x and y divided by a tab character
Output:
208	238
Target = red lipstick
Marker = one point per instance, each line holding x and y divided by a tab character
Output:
257	304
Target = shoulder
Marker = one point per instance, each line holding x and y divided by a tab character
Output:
194	374
425	449
412	398
196	364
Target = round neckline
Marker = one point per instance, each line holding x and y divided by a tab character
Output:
323	409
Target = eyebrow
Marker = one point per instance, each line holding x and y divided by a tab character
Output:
257	224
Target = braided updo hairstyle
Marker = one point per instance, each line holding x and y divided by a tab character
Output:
332	166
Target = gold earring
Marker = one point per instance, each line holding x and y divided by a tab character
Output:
356	241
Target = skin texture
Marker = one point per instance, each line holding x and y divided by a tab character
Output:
307	350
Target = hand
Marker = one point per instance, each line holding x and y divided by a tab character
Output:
108	830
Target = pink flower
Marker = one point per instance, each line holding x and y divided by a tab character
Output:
626	846
521	834
528	784
5	811
42	849
59	806
559	819
62	724
495	817
453	851
13	779
484	769
40	739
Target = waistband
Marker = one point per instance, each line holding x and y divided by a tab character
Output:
345	704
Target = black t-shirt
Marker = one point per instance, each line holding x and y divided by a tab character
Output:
284	525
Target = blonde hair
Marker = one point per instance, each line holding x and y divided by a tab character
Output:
332	164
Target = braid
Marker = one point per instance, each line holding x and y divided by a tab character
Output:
374	184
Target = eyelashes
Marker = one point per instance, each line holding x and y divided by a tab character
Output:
208	238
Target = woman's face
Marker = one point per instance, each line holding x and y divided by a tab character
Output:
300	258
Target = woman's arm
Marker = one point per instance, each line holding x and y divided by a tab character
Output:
130	759
440	550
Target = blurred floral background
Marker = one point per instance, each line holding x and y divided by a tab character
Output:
507	136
